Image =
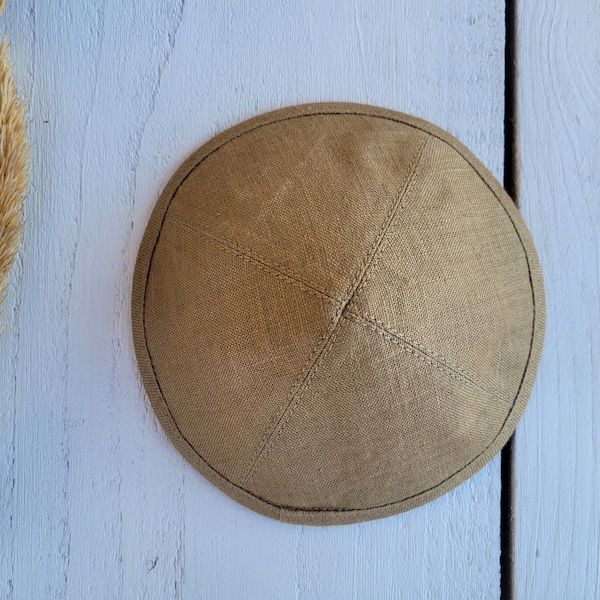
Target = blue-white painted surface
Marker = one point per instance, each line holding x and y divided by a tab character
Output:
94	501
558	441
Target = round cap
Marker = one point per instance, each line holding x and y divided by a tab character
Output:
338	313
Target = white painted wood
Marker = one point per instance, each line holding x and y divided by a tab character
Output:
95	502
558	441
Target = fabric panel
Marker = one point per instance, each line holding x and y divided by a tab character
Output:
295	192
226	339
453	275
378	425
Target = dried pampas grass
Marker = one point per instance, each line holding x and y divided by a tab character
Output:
14	161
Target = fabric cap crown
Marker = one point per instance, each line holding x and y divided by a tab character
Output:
338	313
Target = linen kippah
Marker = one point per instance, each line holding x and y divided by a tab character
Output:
338	313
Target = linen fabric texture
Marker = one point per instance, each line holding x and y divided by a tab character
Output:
338	313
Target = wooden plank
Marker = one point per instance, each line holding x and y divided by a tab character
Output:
120	93
558	442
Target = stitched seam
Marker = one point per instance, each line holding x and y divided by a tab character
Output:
251	254
419	351
401	194
385	240
306	384
316	356
438	356
256	260
274	434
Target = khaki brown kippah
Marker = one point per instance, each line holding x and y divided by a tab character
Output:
338	313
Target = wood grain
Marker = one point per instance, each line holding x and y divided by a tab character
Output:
95	501
558	441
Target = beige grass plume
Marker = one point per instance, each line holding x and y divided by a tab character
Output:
14	160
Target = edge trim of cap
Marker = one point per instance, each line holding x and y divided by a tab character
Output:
326	516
